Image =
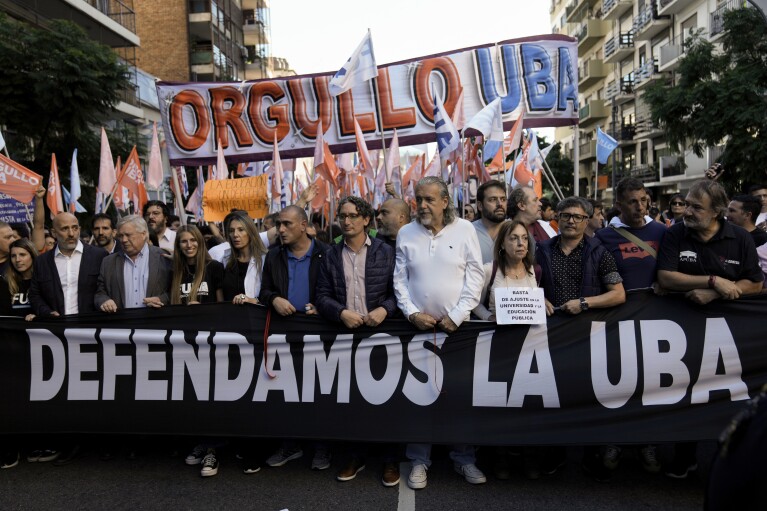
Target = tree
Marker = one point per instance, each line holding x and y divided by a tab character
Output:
720	97
561	167
57	88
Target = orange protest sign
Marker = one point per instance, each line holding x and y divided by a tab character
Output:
17	181
222	195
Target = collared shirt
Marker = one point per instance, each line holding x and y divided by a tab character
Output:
69	272
167	240
567	272
438	274
298	278
354	276
135	278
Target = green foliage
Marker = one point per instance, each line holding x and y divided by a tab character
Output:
58	87
561	167
721	97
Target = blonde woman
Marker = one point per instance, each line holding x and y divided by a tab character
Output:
244	261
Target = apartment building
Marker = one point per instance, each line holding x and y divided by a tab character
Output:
624	46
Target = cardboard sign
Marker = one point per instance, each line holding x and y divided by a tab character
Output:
223	195
12	210
520	306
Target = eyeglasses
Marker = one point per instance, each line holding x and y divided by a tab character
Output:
566	217
350	216
677	203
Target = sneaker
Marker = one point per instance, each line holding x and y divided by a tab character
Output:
251	468
195	457
649	459
34	456
48	455
351	470
680	470
10	459
611	457
390	475
321	460
471	473
209	464
283	456
417	478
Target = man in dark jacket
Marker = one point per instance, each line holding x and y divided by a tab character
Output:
65	278
355	282
291	269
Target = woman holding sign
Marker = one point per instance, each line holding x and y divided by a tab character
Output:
512	266
196	277
243	265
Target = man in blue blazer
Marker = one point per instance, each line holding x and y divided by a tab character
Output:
65	278
139	276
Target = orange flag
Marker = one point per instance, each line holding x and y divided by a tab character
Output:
132	178
17	181
53	200
324	163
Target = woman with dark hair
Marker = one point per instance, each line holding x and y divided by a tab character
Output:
675	209
244	261
513	266
196	277
14	286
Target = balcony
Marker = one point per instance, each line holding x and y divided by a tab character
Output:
648	23
620	91
590	73
619	47
646	173
614	9
588	151
646	74
255	32
671	167
645	127
716	21
570	10
592	112
591	32
670	54
255	4
669	7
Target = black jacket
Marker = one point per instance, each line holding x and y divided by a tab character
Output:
274	280
379	286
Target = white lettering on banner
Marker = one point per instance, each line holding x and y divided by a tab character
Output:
377	392
7	170
429	363
327	367
663	347
614	396
284	379
718	341
80	363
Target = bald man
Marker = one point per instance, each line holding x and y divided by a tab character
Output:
65	278
392	216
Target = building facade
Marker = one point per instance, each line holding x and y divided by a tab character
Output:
624	46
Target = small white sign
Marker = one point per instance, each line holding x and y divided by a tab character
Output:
520	306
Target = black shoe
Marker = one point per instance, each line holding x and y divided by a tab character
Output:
533	459
68	457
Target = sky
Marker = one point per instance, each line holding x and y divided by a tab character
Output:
319	35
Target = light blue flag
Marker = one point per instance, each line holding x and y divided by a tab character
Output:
74	180
605	146
79	208
448	139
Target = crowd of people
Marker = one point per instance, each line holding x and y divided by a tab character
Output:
435	270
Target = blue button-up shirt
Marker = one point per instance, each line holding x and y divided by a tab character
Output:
135	277
298	278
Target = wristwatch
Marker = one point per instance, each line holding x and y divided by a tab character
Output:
584	304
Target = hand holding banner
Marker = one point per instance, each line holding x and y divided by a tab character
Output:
222	195
17	181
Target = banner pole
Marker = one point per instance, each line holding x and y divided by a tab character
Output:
380	127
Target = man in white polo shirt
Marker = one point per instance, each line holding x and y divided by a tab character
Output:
438	279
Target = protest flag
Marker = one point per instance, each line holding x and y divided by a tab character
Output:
365	165
448	139
74	205
154	172
107	175
489	122
54	198
324	163
276	173
74	183
221	170
605	146
360	67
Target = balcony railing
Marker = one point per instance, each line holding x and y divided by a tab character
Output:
624	40
118	11
645	71
202	54
716	25
647	173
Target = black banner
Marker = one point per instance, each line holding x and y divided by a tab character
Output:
655	369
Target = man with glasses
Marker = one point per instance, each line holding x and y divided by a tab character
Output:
491	201
355	288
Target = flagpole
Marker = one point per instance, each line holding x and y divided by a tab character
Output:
552	180
177	193
379	121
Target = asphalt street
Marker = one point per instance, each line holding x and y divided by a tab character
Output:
158	479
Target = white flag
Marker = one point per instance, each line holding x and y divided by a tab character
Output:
360	67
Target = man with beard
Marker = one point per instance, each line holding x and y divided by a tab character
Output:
707	258
392	216
104	233
491	201
156	214
438	278
525	206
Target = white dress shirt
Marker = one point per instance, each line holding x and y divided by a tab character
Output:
69	273
440	275
167	240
